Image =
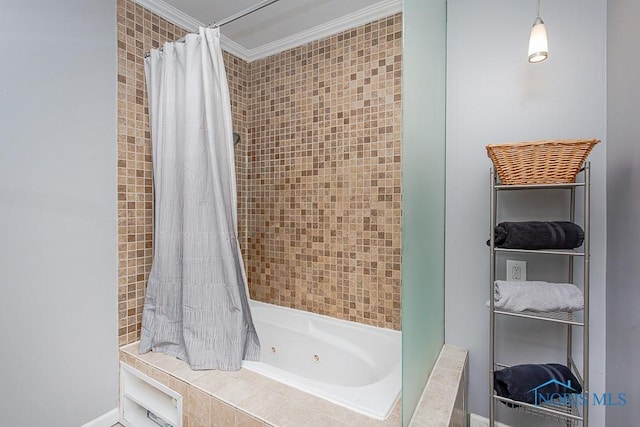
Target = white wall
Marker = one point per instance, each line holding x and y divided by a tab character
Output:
58	311
495	95
623	202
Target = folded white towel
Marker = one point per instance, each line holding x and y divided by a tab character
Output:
537	296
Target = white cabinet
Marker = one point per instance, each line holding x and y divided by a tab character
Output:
144	402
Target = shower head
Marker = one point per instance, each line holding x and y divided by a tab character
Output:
236	138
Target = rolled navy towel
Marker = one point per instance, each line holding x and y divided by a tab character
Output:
524	382
538	235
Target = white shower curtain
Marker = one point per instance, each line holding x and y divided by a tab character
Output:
196	306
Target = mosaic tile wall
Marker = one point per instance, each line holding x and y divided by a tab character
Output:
318	170
139	30
324	183
238	80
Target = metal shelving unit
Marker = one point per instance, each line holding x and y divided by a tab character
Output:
573	415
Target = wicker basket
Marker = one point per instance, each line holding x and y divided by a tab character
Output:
540	162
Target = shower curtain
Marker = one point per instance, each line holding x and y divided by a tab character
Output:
196	306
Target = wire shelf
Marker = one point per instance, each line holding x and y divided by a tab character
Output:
556	412
568	252
553	412
567	318
564	186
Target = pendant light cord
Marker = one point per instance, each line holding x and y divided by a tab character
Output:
538	8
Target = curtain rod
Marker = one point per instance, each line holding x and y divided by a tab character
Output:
243	13
232	18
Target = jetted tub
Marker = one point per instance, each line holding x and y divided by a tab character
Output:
353	365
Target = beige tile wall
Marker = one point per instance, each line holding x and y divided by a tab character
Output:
318	170
140	30
238	80
324	183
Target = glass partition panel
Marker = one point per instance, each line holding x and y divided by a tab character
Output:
423	194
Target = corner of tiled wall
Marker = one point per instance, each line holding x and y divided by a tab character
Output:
324	182
139	30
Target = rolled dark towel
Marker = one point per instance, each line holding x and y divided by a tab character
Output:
524	382
538	235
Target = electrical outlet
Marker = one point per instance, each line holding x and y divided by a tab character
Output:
516	271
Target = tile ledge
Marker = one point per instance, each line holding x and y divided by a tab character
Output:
430	412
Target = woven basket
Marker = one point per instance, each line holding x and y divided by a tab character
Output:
540	162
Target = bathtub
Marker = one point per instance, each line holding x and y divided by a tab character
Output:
353	365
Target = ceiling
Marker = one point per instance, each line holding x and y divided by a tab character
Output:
276	27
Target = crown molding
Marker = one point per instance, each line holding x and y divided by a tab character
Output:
363	16
234	48
192	25
360	17
171	14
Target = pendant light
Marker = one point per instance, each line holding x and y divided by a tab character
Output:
538	42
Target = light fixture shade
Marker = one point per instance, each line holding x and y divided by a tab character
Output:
538	42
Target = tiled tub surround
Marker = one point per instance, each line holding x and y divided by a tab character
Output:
324	176
319	203
444	400
140	30
244	398
318	170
